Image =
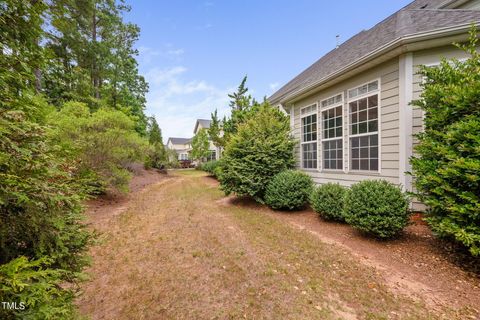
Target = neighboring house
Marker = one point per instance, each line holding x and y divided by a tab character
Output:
215	152
350	110
182	147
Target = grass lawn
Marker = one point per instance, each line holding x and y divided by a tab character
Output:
179	251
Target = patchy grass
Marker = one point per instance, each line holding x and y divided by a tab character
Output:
178	253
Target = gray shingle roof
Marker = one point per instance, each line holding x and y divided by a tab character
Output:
205	123
404	22
180	140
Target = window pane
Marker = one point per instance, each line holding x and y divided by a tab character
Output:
362	127
363	141
339	132
309	154
355	164
362	104
373	114
364	164
372	126
373	101
364	157
362	116
364	153
372	86
353	106
309	128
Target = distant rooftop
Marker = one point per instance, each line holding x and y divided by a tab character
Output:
180	140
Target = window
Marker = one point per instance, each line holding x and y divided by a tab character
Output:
309	137
363	115
212	155
183	156
332	133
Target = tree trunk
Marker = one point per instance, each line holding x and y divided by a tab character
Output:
96	82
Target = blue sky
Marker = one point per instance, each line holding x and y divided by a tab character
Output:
193	53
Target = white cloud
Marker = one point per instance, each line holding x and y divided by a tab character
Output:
177	103
273	86
147	54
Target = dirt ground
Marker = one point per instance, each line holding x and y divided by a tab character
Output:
176	248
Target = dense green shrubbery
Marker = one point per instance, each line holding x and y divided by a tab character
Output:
446	168
328	201
261	148
37	290
289	190
377	207
156	154
210	167
103	143
40	213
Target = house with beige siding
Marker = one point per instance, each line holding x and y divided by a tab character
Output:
214	151
350	111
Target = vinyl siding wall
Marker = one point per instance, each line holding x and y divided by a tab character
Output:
388	76
428	57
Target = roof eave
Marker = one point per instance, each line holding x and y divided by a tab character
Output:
392	45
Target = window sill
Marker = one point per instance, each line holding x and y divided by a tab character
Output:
363	173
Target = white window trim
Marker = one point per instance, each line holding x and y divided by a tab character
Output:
315	111
320	133
379	128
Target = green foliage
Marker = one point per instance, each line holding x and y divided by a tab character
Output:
103	142
215	131
243	106
36	288
260	149
156	155
328	200
447	162
200	145
377	207
92	58
289	189
172	159
210	167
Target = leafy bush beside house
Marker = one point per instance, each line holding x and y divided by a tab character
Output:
210	167
328	201
288	190
446	166
377	207
261	148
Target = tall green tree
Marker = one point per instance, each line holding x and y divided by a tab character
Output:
261	148
200	145
215	131
92	57
242	106
42	237
157	156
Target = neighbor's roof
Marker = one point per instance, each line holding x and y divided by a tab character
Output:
180	140
409	21
204	122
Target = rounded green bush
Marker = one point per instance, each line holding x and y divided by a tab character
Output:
328	200
289	190
377	207
210	166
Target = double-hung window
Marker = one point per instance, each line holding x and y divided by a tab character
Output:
309	137
364	119
332	133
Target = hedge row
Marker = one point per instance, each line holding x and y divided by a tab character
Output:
375	207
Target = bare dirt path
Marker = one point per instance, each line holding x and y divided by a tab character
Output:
178	249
